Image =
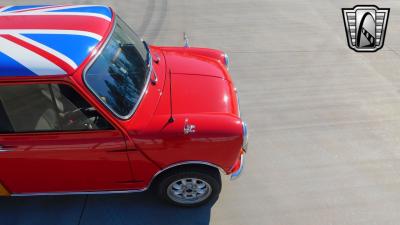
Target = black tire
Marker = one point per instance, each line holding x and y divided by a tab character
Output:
210	176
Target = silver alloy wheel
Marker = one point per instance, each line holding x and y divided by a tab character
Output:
189	190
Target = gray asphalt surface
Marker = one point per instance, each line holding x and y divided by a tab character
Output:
324	120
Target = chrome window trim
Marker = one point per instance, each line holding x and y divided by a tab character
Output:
93	60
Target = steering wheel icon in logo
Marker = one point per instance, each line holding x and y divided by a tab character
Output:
365	27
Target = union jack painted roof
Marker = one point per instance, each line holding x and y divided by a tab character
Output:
38	40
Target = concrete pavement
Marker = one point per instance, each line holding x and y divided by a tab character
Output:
324	120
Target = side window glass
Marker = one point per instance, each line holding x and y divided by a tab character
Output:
46	107
75	113
26	108
5	124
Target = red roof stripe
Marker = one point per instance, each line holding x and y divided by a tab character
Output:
56	22
59	62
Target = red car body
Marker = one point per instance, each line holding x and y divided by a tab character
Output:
194	88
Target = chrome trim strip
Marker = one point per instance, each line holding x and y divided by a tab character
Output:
185	163
78	193
122	191
6	150
90	64
236	175
245	137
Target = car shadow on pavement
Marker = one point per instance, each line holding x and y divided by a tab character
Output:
132	209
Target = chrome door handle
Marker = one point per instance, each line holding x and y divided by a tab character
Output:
5	149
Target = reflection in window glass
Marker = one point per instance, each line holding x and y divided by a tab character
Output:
118	76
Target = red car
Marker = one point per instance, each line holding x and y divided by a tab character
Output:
87	107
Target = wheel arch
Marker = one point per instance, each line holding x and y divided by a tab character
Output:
186	164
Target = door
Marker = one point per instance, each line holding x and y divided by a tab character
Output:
52	140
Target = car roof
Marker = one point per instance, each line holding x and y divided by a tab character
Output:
43	40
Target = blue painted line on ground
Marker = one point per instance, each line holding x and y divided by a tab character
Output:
127	209
49	210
